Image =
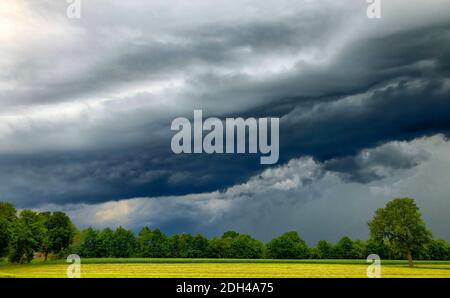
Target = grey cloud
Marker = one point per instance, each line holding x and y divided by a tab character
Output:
326	207
377	163
87	104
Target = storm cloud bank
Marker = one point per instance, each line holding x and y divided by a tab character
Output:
87	106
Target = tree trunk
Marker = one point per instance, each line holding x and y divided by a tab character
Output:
410	260
45	256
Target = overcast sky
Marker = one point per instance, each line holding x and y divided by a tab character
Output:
364	107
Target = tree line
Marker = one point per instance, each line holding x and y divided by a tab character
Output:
30	232
391	237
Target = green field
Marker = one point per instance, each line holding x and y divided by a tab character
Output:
199	268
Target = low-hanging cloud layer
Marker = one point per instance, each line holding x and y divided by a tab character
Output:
317	199
364	107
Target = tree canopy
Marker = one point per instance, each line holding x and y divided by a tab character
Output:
288	246
400	224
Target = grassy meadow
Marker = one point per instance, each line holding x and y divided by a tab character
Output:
209	268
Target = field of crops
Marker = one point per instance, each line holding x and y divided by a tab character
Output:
224	268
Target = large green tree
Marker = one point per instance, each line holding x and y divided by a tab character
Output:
123	243
58	234
323	250
346	248
153	244
246	247
27	234
235	245
180	245
91	245
288	246
217	248
106	243
400	224
199	246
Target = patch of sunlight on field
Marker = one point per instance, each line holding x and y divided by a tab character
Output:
198	270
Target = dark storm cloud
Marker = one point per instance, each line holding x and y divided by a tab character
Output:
340	82
404	110
301	195
152	55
